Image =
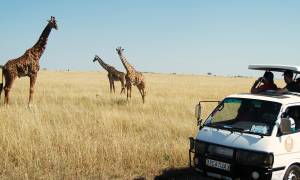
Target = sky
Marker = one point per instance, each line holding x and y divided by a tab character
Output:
164	36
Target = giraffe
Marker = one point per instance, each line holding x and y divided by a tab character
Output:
27	64
113	75
133	77
1	85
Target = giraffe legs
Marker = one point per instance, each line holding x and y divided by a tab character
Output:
128	91
31	90
7	88
1	84
113	85
110	83
128	86
1	88
123	87
142	90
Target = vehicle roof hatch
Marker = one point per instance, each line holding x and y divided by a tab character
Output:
277	68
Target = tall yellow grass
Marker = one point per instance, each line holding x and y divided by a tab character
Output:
78	130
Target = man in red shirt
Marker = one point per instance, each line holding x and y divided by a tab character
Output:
268	83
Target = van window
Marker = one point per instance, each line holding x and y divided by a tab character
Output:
294	112
247	115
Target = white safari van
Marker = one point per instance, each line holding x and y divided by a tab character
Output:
250	136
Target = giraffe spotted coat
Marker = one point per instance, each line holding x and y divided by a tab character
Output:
113	74
27	64
133	77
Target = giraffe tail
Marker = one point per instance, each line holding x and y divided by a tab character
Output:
1	84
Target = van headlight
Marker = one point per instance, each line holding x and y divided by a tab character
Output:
254	158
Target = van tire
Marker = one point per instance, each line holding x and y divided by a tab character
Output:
293	172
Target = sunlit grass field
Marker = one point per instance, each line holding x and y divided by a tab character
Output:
77	129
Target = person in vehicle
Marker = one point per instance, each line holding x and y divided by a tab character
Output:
293	125
267	83
294	117
291	85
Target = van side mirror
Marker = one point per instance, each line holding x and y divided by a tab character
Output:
285	126
198	111
198	114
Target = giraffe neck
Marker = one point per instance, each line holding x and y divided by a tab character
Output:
129	68
40	45
103	64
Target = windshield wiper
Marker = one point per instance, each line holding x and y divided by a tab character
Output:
241	130
237	129
255	133
225	127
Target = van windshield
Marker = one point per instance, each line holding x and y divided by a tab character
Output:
245	115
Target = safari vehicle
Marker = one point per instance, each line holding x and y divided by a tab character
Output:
250	136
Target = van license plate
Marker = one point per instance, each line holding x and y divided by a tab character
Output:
218	164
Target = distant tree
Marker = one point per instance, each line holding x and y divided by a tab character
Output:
209	73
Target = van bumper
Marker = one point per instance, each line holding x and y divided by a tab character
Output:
237	171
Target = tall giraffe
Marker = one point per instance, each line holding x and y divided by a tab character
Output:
1	85
133	77
113	74
27	64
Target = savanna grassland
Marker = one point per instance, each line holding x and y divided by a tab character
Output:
76	129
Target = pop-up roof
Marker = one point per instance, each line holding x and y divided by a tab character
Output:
278	68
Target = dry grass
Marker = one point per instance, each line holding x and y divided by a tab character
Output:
78	130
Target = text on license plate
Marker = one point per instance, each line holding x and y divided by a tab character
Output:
218	164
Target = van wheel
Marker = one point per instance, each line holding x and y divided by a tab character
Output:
292	173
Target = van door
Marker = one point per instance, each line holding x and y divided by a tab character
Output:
288	145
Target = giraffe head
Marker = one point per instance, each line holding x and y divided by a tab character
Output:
96	58
120	50
52	23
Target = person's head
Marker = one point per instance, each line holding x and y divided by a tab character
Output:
268	76
288	76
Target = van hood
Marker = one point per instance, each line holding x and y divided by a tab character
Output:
234	139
